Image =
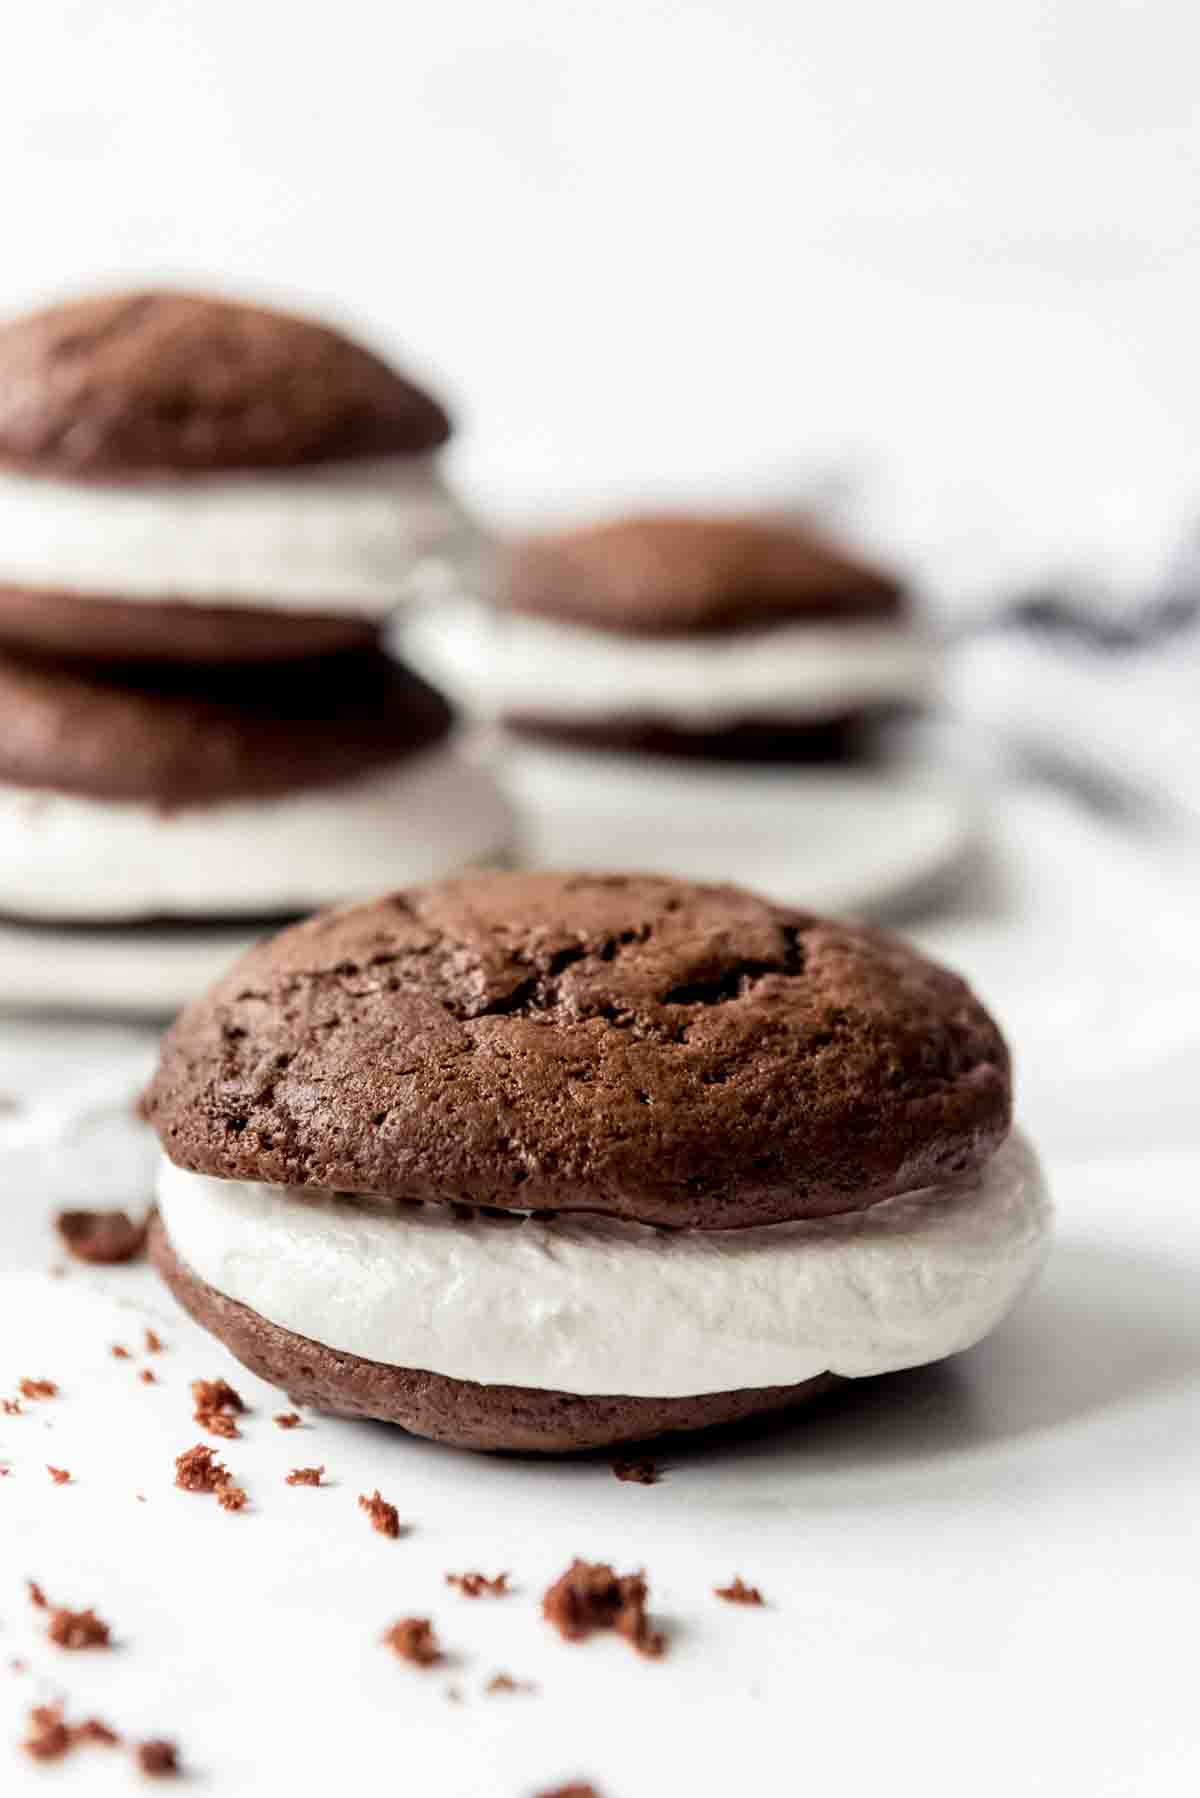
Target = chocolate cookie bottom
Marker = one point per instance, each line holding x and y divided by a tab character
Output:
82	628
852	738
460	1412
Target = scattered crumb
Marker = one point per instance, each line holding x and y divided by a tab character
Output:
38	1389
60	1475
739	1592
216	1406
504	1682
577	1790
37	1597
56	1270
638	1473
157	1759
51	1736
384	1517
18	1666
153	1341
454	1694
119	1352
5	1470
197	1471
78	1629
288	1420
478	1585
11	1407
148	1377
102	1236
141	1497
412	1638
590	1596
305	1476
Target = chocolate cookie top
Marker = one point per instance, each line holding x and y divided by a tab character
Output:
665	574
136	383
178	737
679	1054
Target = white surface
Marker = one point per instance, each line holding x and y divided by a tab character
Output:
66	856
492	662
834	839
345	537
1011	1534
593	1305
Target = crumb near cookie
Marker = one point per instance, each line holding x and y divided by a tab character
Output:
575	1790
153	1342
37	1389
384	1516
738	1592
51	1737
148	1377
637	1473
78	1629
590	1596
217	1405
305	1476
104	1238
502	1684
157	1758
197	1470
10	1407
60	1475
478	1585
288	1420
413	1640
119	1352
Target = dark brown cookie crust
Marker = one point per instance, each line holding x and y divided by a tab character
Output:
680	1054
519	1418
852	737
670	574
132	384
176	737
74	627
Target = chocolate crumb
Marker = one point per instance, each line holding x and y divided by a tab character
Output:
384	1517
305	1476
38	1389
103	1237
157	1759
148	1377
93	1730
153	1342
638	1473
590	1596
78	1629
288	1420
11	1407
577	1790
216	1405
49	1738
37	1597
478	1585
412	1638
60	1475
504	1683
119	1352
739	1592
197	1471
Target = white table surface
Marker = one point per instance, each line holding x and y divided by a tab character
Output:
981	1577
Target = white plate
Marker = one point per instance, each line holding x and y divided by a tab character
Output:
135	971
836	839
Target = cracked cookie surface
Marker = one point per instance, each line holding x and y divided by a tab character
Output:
684	1055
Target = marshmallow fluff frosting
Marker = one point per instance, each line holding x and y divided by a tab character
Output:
552	1161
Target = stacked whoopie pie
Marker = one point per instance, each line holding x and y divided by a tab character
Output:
550	1161
718	639
207	510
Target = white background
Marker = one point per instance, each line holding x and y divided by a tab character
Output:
942	255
